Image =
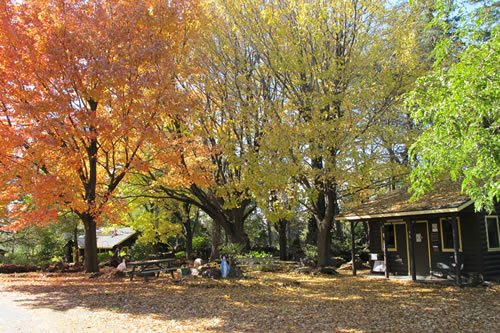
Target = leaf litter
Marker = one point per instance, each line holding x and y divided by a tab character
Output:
262	302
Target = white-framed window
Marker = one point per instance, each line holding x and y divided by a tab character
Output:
447	234
392	243
492	233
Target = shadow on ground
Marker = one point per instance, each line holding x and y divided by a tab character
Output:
273	302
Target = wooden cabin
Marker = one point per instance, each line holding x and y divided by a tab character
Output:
439	235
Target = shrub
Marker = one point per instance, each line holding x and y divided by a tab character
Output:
200	242
256	254
17	258
231	250
141	251
180	255
104	256
50	246
311	251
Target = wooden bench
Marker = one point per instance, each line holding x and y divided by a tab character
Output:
150	268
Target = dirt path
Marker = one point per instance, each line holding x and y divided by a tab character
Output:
18	314
15	316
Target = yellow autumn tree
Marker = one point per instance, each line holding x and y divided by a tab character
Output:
337	68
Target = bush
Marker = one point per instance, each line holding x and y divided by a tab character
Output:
17	258
180	255
311	251
200	243
104	256
141	251
341	248
50	246
231	250
256	254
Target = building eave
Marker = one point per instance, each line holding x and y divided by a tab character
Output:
406	213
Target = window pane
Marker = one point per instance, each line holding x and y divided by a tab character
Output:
447	234
492	225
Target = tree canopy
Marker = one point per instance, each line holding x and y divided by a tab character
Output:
157	110
86	90
458	106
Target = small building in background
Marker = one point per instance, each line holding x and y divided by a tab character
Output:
108	239
439	235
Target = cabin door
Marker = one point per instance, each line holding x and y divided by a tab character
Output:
421	241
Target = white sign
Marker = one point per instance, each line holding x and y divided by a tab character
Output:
418	238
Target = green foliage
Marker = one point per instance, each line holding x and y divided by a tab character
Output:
181	255
200	242
255	227
256	254
18	258
311	250
141	251
50	245
459	108
36	245
104	256
231	249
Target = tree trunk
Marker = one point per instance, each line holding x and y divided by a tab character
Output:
214	254
236	233
282	227
90	262
324	242
77	249
90	185
269	234
189	240
312	231
231	220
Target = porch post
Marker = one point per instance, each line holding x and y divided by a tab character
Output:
386	262
456	249
411	240
353	250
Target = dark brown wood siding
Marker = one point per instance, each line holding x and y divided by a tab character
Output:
474	256
471	243
470	256
397	260
375	245
490	259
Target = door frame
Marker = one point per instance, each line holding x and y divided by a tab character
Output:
428	243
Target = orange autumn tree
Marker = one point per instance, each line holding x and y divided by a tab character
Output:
87	89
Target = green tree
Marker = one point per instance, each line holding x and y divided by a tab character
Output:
458	107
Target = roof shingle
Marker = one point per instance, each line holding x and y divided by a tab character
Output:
443	197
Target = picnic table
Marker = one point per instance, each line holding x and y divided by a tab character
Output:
150	267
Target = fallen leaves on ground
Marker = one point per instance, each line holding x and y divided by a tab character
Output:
264	302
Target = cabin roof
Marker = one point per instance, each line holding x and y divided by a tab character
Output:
446	198
107	238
